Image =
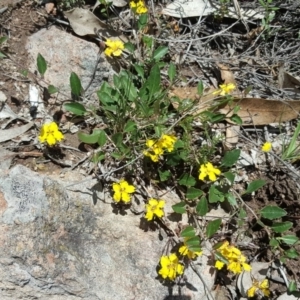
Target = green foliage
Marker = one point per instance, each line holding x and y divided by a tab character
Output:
291	150
75	84
41	64
3	39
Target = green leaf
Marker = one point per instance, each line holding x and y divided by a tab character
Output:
75	108
188	232
142	21
159	53
230	158
200	88
230	176
282	227
129	46
153	82
213	227
236	119
288	239
75	84
24	72
291	253
89	138
231	199
52	89
193	244
117	138
3	39
193	193
187	180
171	71
274	243
272	212
220	257
41	64
140	70
292	286
179	207
215	195
163	176
130	126
255	185
98	156
2	55
102	138
202	207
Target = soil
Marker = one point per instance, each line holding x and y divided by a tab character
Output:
23	18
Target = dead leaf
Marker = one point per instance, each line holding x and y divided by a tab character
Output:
288	81
226	75
84	22
257	111
6	135
232	136
202	103
49	7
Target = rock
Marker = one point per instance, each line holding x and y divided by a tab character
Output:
61	245
285	296
65	53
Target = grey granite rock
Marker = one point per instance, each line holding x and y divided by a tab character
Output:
63	246
66	53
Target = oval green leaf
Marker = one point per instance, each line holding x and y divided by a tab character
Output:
187	180
215	195
171	72
272	212
230	158
282	227
89	138
75	108
75	84
41	64
213	227
193	193
179	208
52	89
188	232
193	244
255	185
102	138
202	207
288	239
160	52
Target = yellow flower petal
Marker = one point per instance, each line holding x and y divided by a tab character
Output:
219	264
251	292
266	147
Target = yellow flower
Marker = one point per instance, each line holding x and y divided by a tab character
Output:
236	260
113	47
50	134
167	142
155	150
224	89
122	191
138	7
170	267
154	209
266	147
208	170
157	147
184	251
263	287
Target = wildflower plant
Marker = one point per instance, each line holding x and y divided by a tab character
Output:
147	137
259	287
